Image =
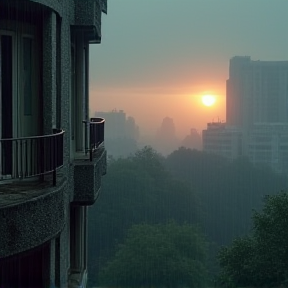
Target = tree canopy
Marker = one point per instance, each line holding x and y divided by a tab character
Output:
135	190
168	255
188	186
228	190
261	258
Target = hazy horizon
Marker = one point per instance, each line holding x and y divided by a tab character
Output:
158	57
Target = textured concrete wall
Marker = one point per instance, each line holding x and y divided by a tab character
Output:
81	12
56	5
51	256
87	177
65	92
88	13
64	242
32	222
104	6
49	72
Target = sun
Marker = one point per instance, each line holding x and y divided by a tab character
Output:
208	100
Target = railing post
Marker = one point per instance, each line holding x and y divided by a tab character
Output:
54	157
91	140
41	155
85	136
31	156
96	134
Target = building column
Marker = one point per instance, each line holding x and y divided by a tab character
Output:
85	242
86	100
48	264
49	72
80	91
77	239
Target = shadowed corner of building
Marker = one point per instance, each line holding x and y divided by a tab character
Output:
46	137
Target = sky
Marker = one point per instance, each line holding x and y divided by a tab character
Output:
158	58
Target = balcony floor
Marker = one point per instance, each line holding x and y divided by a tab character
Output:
15	191
82	156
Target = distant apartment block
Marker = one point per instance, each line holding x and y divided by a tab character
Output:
257	109
193	140
121	133
115	123
268	144
118	125
222	140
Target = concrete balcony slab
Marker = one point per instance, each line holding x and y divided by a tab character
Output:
87	177
31	213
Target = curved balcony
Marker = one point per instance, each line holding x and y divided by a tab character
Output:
89	170
32	210
28	157
95	138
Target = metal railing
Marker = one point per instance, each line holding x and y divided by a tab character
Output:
95	137
31	156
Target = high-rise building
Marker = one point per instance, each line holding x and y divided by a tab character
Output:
257	92
121	133
118	125
52	156
115	124
166	140
193	140
257	109
267	144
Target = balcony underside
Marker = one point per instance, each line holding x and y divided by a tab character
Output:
87	178
31	213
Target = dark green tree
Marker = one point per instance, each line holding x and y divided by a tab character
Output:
168	255
260	259
135	190
228	190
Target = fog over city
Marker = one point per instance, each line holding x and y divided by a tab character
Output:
144	143
158	58
158	63
195	100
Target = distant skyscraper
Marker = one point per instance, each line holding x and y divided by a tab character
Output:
222	140
256	114
167	130
166	140
256	92
132	130
121	133
115	123
193	140
268	144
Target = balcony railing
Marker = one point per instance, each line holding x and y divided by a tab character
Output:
94	135
31	156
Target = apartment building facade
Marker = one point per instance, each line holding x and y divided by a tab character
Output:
222	140
257	107
267	144
115	123
256	92
52	155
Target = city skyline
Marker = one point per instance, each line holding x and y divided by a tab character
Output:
172	54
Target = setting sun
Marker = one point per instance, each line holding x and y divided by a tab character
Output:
208	100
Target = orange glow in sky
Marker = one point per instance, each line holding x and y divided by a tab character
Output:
208	100
151	77
150	105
